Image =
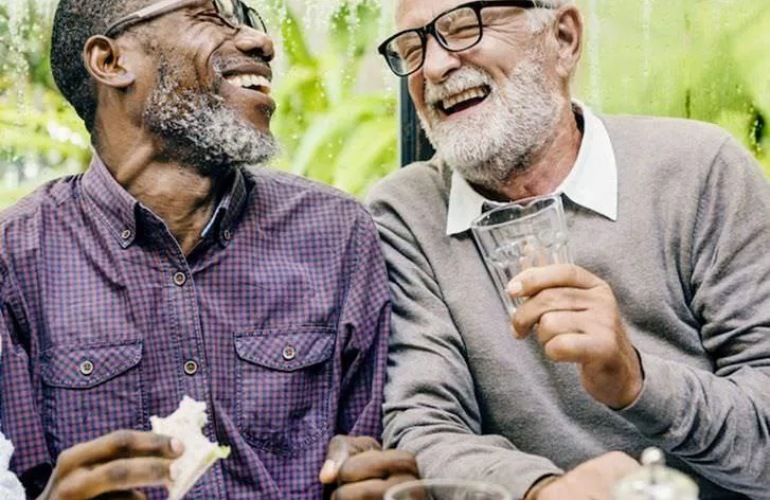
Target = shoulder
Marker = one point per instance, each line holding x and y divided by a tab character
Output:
663	137
49	201
411	204
679	150
415	194
22	224
417	179
47	196
320	212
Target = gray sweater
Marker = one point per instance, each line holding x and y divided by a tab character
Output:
689	262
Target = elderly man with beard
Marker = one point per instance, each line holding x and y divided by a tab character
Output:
170	269
659	335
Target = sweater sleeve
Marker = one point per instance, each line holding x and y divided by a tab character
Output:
431	407
719	421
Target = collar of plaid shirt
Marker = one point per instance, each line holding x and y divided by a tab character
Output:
124	214
278	321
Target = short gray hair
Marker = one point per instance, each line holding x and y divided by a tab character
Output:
74	23
540	17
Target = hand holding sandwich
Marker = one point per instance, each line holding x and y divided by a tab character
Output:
114	466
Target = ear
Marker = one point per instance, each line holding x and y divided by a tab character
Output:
103	61
569	35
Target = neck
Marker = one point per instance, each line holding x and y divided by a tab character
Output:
547	167
184	199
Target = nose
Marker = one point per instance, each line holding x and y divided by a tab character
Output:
439	62
254	43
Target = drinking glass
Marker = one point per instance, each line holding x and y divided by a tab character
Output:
520	235
446	489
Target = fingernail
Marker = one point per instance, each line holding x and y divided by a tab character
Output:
173	472
177	446
514	288
328	471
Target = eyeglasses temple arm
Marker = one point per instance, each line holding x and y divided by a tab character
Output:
150	11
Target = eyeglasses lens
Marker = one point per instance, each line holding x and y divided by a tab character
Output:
239	13
455	30
404	53
458	29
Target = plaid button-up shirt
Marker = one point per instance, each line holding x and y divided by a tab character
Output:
278	320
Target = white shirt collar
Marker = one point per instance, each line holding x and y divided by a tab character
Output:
592	183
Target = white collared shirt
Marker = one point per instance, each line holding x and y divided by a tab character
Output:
592	183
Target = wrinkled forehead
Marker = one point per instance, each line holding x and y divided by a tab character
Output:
415	13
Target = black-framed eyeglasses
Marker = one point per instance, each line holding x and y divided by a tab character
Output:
233	12
457	29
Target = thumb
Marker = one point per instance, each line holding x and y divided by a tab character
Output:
336	454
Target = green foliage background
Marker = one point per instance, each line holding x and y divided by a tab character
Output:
701	59
337	121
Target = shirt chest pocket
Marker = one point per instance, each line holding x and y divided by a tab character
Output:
89	391
283	384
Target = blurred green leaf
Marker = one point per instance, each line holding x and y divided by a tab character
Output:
295	48
366	155
700	59
320	112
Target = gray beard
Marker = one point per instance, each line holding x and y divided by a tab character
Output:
200	130
489	148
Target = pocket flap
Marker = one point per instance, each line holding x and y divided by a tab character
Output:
286	350
77	367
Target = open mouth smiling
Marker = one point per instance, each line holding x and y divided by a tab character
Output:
463	100
249	81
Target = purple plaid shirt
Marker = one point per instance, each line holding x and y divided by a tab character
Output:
278	320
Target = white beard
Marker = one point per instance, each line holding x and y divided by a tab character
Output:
488	146
203	132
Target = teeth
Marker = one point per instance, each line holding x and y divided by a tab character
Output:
475	93
250	81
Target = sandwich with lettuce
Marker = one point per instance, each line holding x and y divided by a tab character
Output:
186	425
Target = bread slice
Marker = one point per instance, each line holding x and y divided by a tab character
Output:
186	424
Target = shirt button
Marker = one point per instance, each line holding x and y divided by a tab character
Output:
227	235
289	353
86	368
126	234
180	278
191	367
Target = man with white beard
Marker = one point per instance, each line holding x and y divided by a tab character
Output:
171	268
658	335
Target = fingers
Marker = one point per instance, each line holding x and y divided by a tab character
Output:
536	279
377	464
123	495
114	463
372	489
115	476
570	347
551	301
590	480
618	463
363	470
112	480
119	444
339	449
